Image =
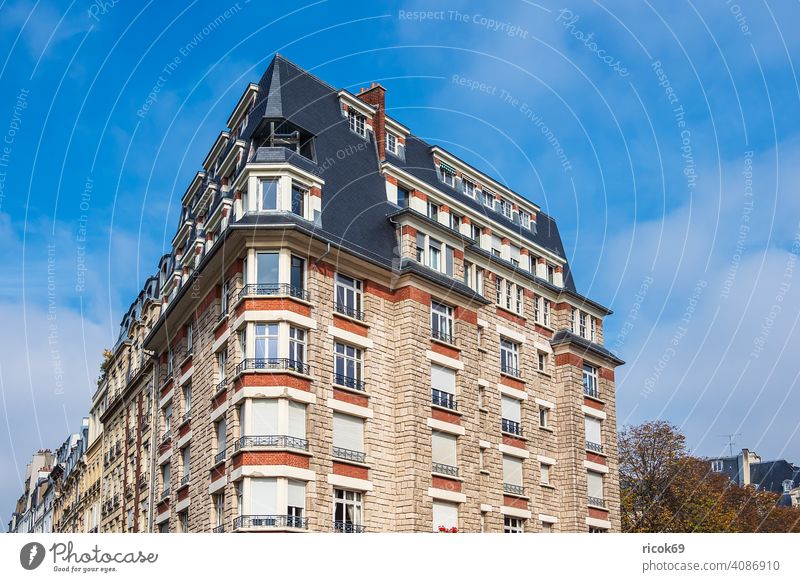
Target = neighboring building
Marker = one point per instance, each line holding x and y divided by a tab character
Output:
30	507
747	468
354	331
66	476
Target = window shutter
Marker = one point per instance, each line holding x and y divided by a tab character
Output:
444	514
348	432
265	416
444	449
263	496
510	408
297	420
297	494
593	430
595	484
443	379
512	470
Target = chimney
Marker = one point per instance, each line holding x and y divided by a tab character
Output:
376	97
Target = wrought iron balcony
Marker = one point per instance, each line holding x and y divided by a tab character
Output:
513	489
278	441
443	336
277	521
93	530
273	364
346	527
511	427
509	371
187	415
165	493
594	447
349	382
349	311
219	529
167	436
596	501
219	387
591	391
349	455
443	469
185	480
220	456
273	289
442	398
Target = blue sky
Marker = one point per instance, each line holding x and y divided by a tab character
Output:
661	136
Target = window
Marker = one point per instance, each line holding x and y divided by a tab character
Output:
347	366
297	420
520	304
167	420
403	196
263	497
488	198
512	475
551	274
443	386
348	511
433	211
506	208
542	361
544	417
189	338
470	188
348	296
267	272
544	473
717	465
455	221
297	349
499	283
593	332
593	428
223	299
511	412
183	520
434	254
547	527
296	503
170	362
268	199
546	313
513	525
265	418
597	530
222	372
443	454
219	509
185	461
582	324
266	341
391	143
447	175
348	437
445	516
475	231
420	248
220	429
595	488
509	357
166	478
497	245
469	275
590	381
357	122
524	219
442	322
515	255
297	276
187	401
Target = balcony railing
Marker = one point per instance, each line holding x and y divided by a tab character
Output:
167	436
349	382
165	493
270	289
219	529
279	441
509	371
279	521
142	482
219	387
93	530
220	456
349	311
443	469
591	391
594	447
513	489
273	364
442	398
349	455
443	336
187	415
346	527
511	427
596	501
185	480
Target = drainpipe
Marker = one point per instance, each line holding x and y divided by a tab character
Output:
153	432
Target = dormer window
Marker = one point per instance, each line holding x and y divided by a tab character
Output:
447	174
391	143
470	188
403	196
488	199
358	122
299	194
433	211
524	219
505	208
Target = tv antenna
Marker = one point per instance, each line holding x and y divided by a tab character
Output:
731	440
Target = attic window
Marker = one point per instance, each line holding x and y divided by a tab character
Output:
391	143
524	219
357	123
447	174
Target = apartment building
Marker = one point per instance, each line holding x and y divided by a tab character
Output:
354	331
30	505
68	475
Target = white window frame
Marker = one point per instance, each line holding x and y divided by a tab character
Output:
392	143
442	322
354	358
357	122
355	503
509	354
513	524
590	380
351	290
